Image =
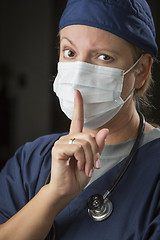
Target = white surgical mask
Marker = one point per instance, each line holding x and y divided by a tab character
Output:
100	87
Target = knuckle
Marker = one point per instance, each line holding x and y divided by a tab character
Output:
79	148
86	144
92	142
55	149
79	152
88	137
62	138
55	144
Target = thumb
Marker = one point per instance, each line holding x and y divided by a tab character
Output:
100	138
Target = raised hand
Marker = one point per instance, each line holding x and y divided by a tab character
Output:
72	167
73	164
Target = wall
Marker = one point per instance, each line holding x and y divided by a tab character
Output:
26	54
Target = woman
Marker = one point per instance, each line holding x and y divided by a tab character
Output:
106	53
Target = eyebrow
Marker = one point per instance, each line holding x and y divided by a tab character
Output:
98	49
65	38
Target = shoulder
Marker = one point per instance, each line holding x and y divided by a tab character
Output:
41	145
36	150
30	164
152	146
24	174
151	141
149	155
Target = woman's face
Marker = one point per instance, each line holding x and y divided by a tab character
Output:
99	47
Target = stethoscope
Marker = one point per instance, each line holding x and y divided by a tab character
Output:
100	207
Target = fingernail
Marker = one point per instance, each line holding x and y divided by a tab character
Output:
98	164
90	173
98	155
92	135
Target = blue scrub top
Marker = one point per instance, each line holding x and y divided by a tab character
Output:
136	203
136	199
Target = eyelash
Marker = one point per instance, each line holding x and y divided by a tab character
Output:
105	55
109	58
68	50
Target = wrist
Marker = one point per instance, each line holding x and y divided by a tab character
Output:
55	200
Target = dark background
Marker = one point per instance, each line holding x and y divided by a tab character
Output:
28	58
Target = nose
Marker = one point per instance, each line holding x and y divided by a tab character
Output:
84	57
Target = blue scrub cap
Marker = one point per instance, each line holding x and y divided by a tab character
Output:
129	19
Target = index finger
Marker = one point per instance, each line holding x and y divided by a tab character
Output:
78	115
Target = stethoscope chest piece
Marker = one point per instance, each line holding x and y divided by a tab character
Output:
99	208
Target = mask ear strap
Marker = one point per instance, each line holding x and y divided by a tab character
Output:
132	92
133	66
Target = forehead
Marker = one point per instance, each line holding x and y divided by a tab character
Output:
82	35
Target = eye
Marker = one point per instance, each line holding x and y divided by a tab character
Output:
68	53
105	57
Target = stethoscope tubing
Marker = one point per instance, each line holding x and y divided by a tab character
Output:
100	207
105	207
